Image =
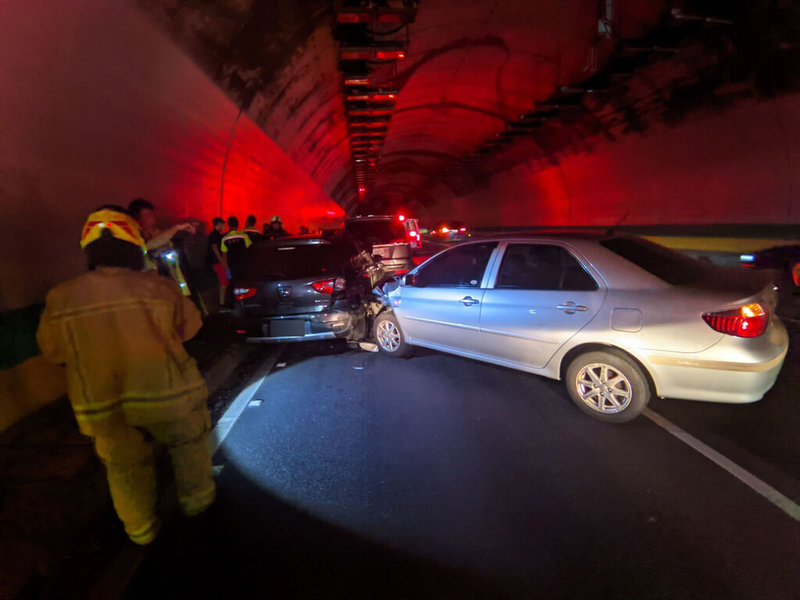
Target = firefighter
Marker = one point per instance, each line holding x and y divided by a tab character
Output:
233	245
120	332
275	229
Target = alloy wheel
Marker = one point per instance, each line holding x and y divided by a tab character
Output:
388	336
603	388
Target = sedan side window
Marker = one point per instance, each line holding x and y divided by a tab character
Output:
459	267
542	267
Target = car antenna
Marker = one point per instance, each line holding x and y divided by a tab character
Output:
610	230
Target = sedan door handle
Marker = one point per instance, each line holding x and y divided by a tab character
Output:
468	301
571	308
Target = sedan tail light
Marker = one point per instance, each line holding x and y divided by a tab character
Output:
242	293
796	274
747	321
328	286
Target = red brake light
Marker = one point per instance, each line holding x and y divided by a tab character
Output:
796	274
328	286
242	293
747	321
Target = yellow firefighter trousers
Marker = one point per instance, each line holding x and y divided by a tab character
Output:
128	456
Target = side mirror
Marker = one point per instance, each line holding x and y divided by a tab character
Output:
409	280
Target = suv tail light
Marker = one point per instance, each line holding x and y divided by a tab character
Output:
747	321
242	293
796	274
328	286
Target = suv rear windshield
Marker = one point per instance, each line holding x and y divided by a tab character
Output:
377	231
668	265
271	262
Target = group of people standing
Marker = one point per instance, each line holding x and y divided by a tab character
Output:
225	248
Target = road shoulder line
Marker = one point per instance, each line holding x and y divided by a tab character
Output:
757	485
235	410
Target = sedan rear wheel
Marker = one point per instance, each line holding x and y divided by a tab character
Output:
389	338
608	386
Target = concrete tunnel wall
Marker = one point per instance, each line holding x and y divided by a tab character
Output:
98	106
737	166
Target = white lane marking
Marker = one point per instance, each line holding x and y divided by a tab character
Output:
235	410
761	487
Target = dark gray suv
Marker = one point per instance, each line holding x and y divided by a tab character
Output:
303	288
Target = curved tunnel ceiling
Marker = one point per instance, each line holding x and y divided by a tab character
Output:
483	85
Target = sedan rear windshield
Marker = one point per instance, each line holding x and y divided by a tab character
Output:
378	231
668	265
272	262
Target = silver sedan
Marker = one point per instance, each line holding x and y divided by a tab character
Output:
618	318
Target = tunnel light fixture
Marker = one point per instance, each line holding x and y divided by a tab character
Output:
356	80
377	52
364	132
382	119
370	112
390	55
375	16
372	96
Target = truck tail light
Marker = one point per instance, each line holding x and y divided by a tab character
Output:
242	293
328	286
747	321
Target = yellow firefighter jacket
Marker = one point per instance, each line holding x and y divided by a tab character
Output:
120	334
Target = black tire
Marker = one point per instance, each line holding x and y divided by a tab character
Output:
390	338
587	386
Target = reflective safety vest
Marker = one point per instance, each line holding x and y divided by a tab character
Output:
235	239
233	245
120	334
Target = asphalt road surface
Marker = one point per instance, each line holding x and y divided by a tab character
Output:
354	475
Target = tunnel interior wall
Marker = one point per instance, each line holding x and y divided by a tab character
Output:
741	165
98	106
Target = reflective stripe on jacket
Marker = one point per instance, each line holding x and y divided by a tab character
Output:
120	334
233	237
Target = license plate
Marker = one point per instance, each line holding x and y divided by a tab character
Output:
286	327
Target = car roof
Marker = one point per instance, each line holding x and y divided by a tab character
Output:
552	234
